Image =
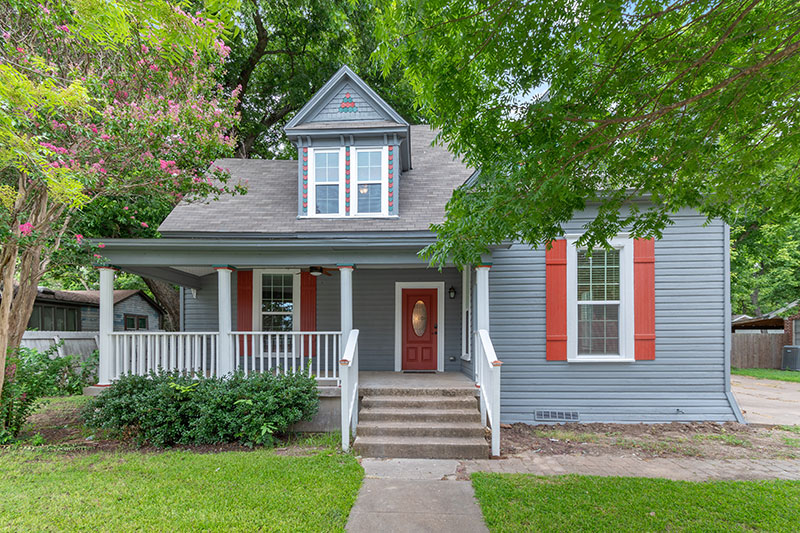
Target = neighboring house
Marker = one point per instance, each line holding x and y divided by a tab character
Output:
776	323
329	243
56	310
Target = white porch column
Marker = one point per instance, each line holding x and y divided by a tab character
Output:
482	295
105	370
346	279
225	362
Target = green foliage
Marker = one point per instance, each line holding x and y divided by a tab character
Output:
169	408
519	502
765	261
31	375
642	108
284	53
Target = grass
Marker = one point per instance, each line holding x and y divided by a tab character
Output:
666	445
792	429
554	432
768	373
176	491
731	440
521	502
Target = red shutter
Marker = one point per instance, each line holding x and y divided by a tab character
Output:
644	299
556	300
244	306
308	307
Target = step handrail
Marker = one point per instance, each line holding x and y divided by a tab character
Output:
489	385
348	375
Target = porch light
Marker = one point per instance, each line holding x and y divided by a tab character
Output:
315	270
452	292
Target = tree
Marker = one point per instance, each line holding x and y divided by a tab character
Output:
643	108
286	50
765	266
100	100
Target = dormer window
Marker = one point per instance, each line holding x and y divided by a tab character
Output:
370	182
348	181
326	182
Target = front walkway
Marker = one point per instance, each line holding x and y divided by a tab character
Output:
767	401
414	495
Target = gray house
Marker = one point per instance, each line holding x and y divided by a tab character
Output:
317	270
57	310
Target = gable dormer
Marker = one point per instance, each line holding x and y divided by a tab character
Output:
352	149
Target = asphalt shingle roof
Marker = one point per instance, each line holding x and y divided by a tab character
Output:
270	205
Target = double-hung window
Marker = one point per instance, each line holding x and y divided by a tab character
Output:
600	302
276	295
369	181
326	182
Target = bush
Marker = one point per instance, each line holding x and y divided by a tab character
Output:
63	376
164	408
26	381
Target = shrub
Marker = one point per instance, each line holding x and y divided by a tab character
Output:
26	381
164	408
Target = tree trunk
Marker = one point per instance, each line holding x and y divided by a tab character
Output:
8	263
169	299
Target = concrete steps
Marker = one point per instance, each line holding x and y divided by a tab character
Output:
433	423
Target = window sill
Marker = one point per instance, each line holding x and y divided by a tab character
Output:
599	359
346	217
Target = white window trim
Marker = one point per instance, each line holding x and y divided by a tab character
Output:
398	320
626	310
312	182
258	324
466	308
384	181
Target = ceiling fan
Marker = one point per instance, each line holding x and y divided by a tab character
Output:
319	270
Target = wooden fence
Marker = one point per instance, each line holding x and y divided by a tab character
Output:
756	350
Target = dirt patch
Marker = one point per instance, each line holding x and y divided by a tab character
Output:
58	428
697	439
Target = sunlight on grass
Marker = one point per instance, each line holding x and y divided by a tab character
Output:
768	373
520	502
177	491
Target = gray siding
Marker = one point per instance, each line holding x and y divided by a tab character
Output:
134	305
200	311
686	381
330	112
373	311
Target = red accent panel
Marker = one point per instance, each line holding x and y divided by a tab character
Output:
308	308
556	300
644	299
244	305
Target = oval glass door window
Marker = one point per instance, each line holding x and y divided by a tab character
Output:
419	318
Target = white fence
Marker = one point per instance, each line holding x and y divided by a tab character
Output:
80	343
138	352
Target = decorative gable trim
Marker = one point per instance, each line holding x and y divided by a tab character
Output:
348	105
326	93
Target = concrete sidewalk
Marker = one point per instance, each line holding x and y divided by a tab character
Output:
767	401
414	495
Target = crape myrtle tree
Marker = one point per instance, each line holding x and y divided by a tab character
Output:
100	100
562	104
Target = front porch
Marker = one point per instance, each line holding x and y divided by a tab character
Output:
341	323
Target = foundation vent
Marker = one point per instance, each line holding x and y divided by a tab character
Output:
555	416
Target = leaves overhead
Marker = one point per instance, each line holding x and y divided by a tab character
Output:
643	108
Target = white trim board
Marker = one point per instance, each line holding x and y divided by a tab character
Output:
398	318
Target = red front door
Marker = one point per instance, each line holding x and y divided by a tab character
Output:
420	329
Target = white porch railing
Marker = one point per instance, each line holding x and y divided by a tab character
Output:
314	352
488	368
140	352
349	380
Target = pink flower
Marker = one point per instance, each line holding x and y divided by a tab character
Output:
101	245
26	228
97	256
154	67
110	83
216	124
79	238
105	137
20	50
125	208
6	35
144	225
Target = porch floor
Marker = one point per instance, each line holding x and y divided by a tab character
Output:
415	380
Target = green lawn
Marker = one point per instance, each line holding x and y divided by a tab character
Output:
768	373
520	502
176	491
